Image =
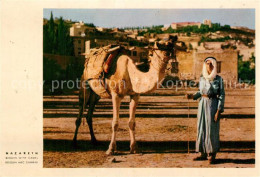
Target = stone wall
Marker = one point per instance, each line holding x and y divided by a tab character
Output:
185	65
190	64
213	45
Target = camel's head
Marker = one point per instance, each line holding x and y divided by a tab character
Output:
162	51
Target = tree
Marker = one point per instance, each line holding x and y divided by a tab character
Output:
204	28
64	42
62	47
170	30
51	34
226	27
245	73
215	27
252	58
46	44
190	46
195	29
89	24
56	38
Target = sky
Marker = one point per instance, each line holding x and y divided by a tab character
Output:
147	17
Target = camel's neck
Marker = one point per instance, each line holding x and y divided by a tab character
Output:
143	82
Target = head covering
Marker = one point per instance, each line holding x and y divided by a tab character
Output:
213	73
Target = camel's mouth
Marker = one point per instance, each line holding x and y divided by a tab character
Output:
167	55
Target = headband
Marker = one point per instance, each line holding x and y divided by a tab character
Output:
210	58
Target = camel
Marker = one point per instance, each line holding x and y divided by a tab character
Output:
124	79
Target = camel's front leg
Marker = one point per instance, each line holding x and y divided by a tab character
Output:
132	108
81	111
116	106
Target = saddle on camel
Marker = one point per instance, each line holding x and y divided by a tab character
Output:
98	64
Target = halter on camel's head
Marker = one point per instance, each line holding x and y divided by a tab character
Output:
162	51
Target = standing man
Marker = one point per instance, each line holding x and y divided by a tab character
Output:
212	97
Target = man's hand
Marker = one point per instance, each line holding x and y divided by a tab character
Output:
217	116
189	96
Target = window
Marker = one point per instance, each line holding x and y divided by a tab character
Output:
79	41
79	49
79	53
218	66
135	53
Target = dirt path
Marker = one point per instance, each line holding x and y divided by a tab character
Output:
163	132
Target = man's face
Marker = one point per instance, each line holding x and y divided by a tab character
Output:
209	66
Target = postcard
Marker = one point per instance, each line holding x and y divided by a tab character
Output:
126	88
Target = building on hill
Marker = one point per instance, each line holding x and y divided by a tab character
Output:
101	29
207	22
79	45
80	29
80	33
138	54
83	44
184	24
165	27
179	25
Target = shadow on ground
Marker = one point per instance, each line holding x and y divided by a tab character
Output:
235	161
146	146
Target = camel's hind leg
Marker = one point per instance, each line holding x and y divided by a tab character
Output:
93	100
81	110
132	108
